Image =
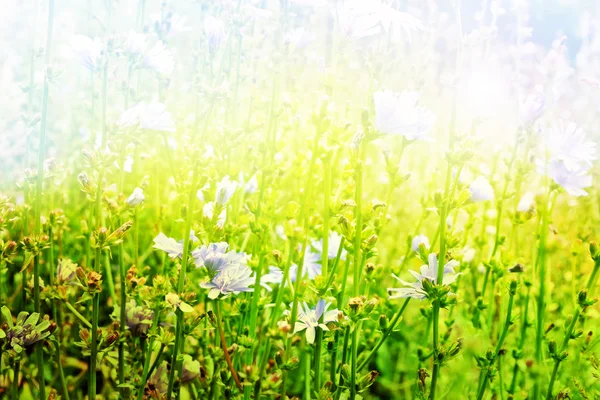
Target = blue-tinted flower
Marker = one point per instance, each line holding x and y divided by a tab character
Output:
208	211
566	142
428	272
215	31
136	198
225	190
214	256
138	318
173	248
153	116
159	59
310	319
574	181
419	240
400	114
481	190
333	246
87	52
233	279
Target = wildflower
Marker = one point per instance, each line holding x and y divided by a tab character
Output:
566	142
25	332
174	301
159	59
138	318
87	52
215	256
418	241
215	31
173	248
311	318
65	272
361	19
335	240
399	114
136	198
573	181
200	192
233	279
147	116
252	185
135	43
481	190
225	190
428	272
208	211
526	203
532	107
275	276
190	369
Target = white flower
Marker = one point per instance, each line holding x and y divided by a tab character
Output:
87	52
137	197
429	272
225	190
574	181
275	276
399	114
252	185
568	143
532	107
232	279
200	192
135	43
310	319
173	248
174	301
153	116
215	256
360	19
526	203
208	211
481	190
335	240
418	241
159	59
215	31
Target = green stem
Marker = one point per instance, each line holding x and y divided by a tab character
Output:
507	324
15	382
94	344
224	346
385	334
570	328
78	315
146	371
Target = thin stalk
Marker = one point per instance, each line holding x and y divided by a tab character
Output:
507	324
318	365
184	263
94	344
307	376
38	191
385	334
78	315
541	300
224	345
569	332
524	324
146	371
15	382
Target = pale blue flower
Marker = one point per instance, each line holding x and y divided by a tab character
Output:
419	240
136	198
428	272
481	190
400	114
310	319
225	190
232	279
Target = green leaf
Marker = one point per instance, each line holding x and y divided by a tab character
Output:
7	316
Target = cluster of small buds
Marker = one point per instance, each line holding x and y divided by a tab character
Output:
7	250
90	280
359	308
134	279
36	244
105	239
